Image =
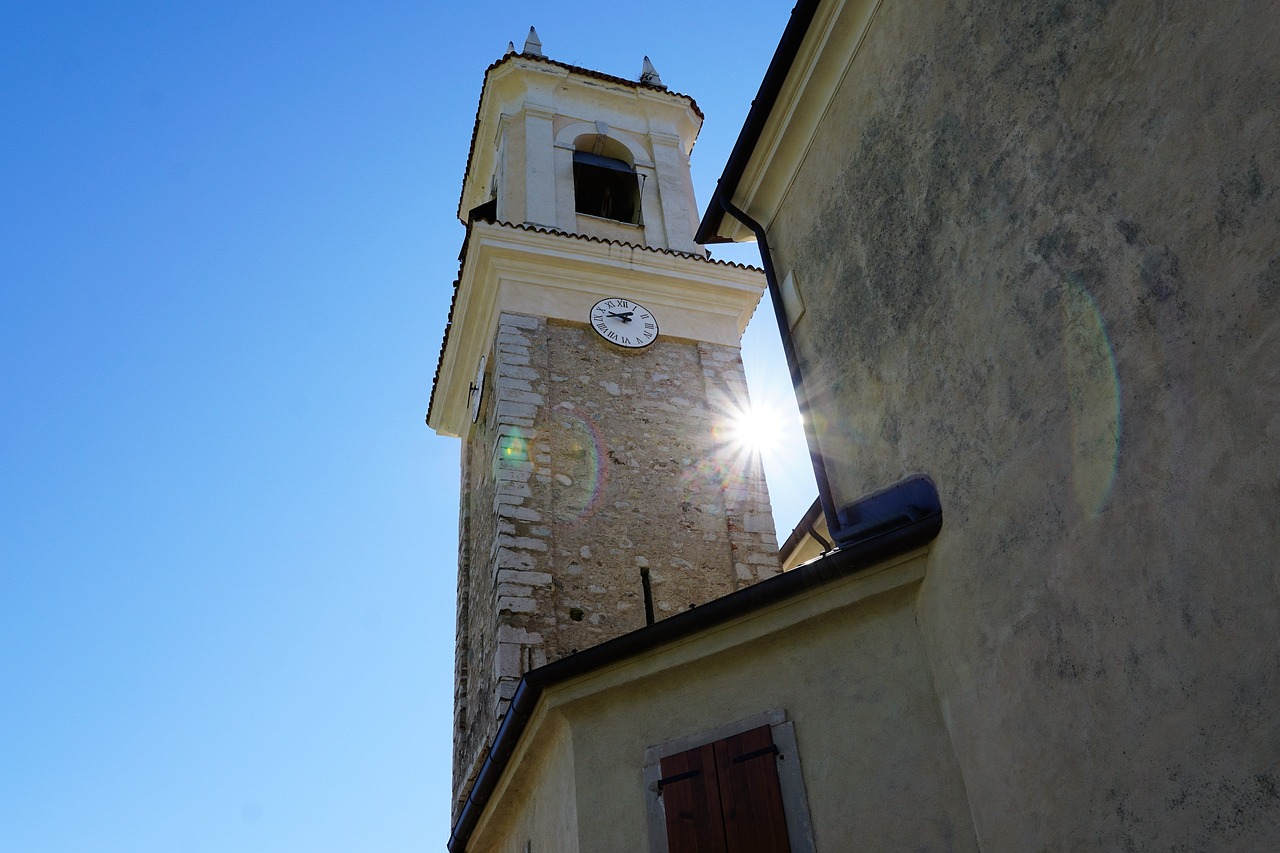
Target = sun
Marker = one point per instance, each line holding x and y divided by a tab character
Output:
755	428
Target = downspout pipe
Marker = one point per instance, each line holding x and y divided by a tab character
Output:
789	352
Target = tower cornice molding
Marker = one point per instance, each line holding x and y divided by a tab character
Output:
539	110
551	274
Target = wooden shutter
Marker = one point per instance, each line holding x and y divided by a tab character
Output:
724	797
691	794
750	797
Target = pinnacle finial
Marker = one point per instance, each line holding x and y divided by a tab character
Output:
533	44
649	74
511	47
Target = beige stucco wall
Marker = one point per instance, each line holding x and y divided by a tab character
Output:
1044	239
846	664
538	805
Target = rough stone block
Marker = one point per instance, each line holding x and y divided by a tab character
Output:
515	634
518	488
528	578
510	468
525	542
519	321
513	371
507	385
509	559
507	408
520	513
507	660
510	604
511	394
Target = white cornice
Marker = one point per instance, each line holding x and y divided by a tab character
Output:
560	276
830	45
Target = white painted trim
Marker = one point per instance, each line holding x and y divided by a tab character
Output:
832	43
569	133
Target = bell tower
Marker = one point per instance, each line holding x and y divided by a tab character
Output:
591	368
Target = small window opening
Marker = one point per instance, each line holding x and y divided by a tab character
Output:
605	186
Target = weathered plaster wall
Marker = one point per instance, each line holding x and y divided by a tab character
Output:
856	685
589	464
539	804
1039	246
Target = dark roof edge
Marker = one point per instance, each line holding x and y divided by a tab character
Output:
802	528
591	238
919	527
776	75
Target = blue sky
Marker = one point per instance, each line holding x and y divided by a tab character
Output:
227	538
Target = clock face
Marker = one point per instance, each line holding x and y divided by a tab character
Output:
477	389
623	322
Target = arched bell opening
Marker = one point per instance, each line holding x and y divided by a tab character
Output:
605	183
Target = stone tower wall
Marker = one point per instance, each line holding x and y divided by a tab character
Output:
588	464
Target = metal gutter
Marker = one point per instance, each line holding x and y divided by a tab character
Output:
793	362
897	520
774	77
805	529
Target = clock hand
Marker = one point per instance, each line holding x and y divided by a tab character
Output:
625	316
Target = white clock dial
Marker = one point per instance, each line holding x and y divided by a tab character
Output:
623	322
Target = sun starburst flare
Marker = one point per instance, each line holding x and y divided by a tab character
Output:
755	428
